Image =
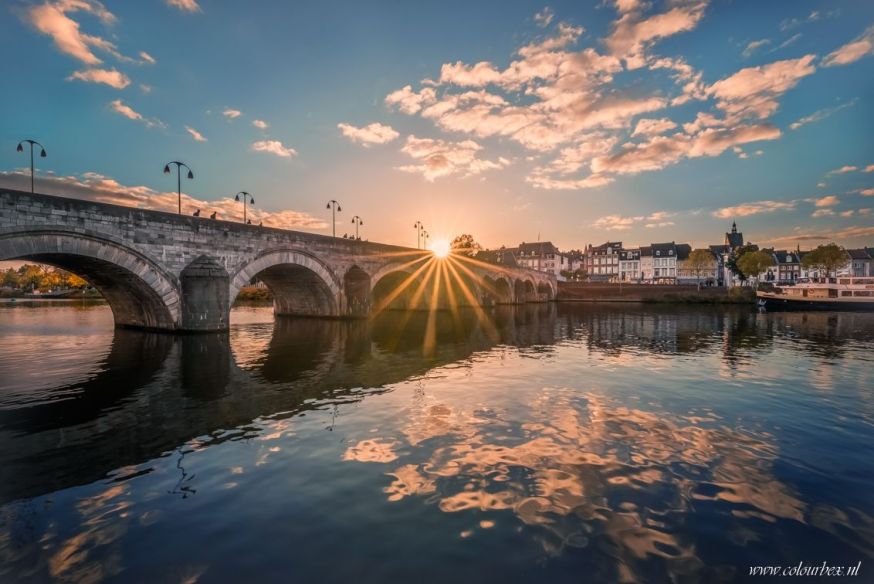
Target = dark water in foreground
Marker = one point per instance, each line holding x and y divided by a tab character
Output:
545	444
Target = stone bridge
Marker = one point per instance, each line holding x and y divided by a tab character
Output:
171	272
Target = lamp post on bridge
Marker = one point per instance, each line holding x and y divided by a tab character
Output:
358	223
334	206
425	237
179	166
42	154
419	230
247	199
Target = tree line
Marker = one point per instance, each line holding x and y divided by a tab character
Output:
37	277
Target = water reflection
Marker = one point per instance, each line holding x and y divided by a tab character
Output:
629	444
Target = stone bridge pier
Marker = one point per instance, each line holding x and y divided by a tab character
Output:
177	273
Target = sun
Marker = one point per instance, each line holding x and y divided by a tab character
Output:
440	248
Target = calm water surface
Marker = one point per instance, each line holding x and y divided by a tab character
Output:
544	444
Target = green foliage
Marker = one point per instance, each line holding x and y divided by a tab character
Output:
465	244
827	258
754	263
732	262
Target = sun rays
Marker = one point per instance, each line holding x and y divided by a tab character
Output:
443	282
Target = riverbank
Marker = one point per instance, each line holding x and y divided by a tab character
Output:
652	294
87	294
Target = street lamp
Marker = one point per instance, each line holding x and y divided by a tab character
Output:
179	166
425	237
358	222
334	206
419	229
42	154
246	198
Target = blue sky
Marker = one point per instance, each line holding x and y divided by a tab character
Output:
580	122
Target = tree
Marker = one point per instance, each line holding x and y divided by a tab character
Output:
732	262
827	258
754	263
10	279
700	260
465	244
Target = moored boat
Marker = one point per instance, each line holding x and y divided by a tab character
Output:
841	293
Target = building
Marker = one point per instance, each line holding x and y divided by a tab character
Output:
664	262
646	263
733	241
861	263
786	268
707	275
602	261
629	265
542	256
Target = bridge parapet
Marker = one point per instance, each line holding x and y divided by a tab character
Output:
173	272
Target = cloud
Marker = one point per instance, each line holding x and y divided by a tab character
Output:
867	192
544	17
370	134
753	45
821	114
147	58
273	147
232	113
757	208
198	137
632	34
409	101
109	77
260	124
651	127
822	213
844	169
544	181
790	41
50	18
92	186
185	5
753	92
616	222
827	201
122	108
869	168
439	158
852	51
791	23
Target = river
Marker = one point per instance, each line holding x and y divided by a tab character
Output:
550	443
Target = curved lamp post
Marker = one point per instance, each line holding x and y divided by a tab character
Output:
42	154
247	199
334	206
358	222
419	230
179	166
425	237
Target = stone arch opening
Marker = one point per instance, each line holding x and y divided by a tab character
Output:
503	293
139	292
356	287
525	291
395	290
544	292
301	285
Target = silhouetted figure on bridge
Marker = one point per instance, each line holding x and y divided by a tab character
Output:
197	213
213	215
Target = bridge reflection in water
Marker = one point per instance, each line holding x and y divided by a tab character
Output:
605	462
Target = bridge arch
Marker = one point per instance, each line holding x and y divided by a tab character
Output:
497	290
300	283
356	288
398	286
525	291
140	293
545	292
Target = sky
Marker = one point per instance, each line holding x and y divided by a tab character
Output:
576	122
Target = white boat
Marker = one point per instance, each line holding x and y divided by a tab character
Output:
841	293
